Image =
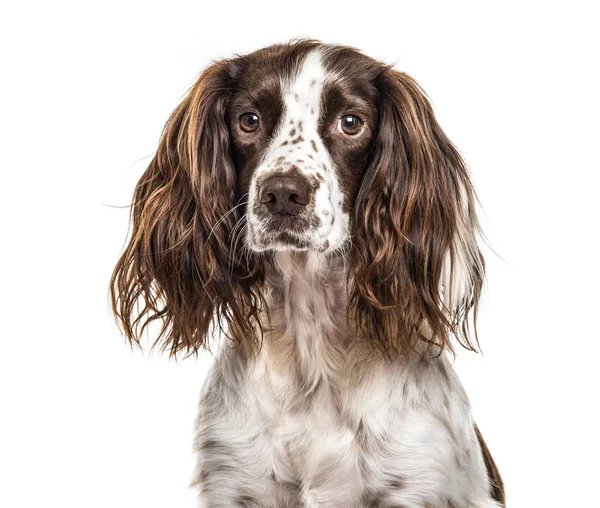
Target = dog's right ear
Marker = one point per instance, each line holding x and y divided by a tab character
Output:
178	267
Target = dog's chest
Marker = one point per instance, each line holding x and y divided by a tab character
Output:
313	419
381	433
311	434
361	440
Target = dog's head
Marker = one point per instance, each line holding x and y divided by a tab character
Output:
302	146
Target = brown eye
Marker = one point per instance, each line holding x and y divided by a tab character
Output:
350	124
249	122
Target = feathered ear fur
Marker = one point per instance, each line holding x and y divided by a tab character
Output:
179	267
417	268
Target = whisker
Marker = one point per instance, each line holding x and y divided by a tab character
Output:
227	215
237	233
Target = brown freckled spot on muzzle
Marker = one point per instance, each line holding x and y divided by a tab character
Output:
312	111
300	161
297	140
300	124
280	159
296	97
310	156
285	143
293	132
314	145
290	150
314	181
313	83
292	121
314	222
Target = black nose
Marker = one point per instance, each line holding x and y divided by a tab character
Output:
285	195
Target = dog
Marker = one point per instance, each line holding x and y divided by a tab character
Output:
306	215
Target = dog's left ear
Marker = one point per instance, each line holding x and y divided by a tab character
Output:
417	267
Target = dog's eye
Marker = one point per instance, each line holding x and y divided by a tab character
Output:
249	122
350	124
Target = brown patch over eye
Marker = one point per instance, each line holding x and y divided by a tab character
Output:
249	122
350	124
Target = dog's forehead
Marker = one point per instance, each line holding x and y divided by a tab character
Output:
303	78
302	91
296	81
297	139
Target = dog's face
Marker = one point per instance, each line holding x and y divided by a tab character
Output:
302	146
302	132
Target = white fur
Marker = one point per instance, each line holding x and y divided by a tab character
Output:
311	411
462	260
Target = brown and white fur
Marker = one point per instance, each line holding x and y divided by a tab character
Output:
306	206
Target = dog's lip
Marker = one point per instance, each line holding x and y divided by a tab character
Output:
286	224
277	232
277	240
275	237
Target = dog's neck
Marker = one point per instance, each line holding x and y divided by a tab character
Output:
307	331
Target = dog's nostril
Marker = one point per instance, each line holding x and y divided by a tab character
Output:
285	195
267	197
300	199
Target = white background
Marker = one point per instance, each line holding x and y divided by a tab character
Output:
85	90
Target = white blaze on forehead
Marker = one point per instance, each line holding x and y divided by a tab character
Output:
302	96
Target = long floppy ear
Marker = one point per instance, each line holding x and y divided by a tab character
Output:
179	268
417	268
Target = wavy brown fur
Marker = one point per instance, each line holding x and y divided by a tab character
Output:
407	217
177	263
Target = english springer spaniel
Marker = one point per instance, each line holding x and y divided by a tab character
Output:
305	208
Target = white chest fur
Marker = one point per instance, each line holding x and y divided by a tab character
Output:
312	421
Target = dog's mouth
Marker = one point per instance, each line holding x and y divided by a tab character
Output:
286	232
